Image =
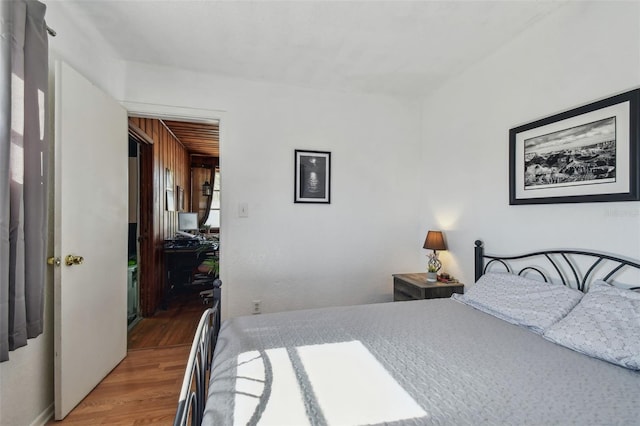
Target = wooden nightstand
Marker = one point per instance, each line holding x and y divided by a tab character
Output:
415	287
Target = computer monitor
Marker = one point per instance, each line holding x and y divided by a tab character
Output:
188	221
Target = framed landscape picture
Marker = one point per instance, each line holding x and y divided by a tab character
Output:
312	177
587	154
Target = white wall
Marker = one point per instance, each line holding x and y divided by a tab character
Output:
294	256
83	47
26	380
582	53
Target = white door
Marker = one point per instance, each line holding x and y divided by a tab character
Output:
90	220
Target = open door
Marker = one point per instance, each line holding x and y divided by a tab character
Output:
90	237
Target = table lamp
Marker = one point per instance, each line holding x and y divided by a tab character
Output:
434	241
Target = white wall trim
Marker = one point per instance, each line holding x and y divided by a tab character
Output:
43	417
173	112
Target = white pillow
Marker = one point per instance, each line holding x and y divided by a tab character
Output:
605	324
521	301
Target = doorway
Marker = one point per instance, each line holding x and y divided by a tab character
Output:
133	294
169	150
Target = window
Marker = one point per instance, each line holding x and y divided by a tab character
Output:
214	214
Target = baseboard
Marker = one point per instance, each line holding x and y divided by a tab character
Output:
44	417
134	322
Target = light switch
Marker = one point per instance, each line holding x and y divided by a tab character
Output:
243	210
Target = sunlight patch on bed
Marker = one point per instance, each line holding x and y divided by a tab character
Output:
276	403
342	383
353	388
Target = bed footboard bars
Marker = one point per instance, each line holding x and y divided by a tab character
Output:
193	394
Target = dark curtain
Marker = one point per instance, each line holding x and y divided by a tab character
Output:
24	158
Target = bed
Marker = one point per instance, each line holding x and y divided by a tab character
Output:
518	348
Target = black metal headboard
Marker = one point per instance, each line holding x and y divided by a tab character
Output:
563	263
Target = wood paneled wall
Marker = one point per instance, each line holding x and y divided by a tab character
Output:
165	153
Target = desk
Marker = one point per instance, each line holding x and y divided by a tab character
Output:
181	257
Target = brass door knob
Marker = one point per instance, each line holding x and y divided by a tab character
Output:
55	261
73	260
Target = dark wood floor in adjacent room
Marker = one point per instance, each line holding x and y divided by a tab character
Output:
144	387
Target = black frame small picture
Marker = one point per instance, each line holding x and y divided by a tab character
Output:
312	177
586	154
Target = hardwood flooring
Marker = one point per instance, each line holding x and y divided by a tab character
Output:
143	389
175	326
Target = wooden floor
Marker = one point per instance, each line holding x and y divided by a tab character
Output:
144	387
175	326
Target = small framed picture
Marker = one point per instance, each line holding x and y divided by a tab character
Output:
587	154
180	199
312	177
168	179
170	198
171	201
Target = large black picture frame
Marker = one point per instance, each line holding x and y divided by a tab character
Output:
312	177
586	154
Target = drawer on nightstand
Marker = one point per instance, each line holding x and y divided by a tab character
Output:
442	292
414	286
405	291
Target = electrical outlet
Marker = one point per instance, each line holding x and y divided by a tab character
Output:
256	307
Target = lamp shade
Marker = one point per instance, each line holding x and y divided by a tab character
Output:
206	188
435	241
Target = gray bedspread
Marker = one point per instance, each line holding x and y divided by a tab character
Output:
426	362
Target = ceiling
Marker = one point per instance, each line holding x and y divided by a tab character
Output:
398	48
197	138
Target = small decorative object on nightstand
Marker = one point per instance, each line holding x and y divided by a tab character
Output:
434	241
415	287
